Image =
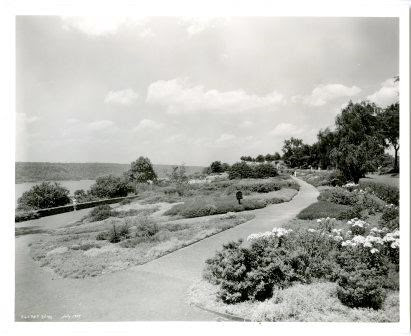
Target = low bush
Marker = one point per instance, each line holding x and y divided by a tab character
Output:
273	260
362	278
323	209
199	207
146	228
242	170
388	193
390	213
115	234
44	195
99	213
338	195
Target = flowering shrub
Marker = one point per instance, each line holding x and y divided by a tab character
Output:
326	224
350	186
339	195
358	226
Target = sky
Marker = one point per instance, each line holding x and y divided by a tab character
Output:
191	90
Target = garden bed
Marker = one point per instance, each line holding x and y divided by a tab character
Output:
86	251
316	302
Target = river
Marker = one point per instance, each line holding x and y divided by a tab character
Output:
72	186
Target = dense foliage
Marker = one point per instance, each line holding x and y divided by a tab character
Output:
109	187
241	170
358	262
44	195
141	171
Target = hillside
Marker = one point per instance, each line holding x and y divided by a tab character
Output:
49	171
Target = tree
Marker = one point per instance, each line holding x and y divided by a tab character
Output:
109	186
216	167
292	150
44	195
360	143
240	170
277	156
226	166
141	171
326	142
269	158
390	124
264	170
260	158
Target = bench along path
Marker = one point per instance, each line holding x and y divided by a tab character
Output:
154	291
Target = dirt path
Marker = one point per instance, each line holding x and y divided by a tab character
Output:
154	291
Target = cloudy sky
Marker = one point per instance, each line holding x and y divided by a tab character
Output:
191	90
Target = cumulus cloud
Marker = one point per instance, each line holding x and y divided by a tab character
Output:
387	94
179	96
122	97
286	129
102	25
148	125
322	94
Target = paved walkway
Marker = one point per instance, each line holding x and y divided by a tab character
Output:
154	291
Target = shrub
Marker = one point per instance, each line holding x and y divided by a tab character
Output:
338	196
264	170
199	207
336	178
146	228
240	170
389	194
109	187
273	260
390	213
44	195
362	278
323	209
100	212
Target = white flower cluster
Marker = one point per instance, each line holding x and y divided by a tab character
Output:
392	238
281	231
377	231
276	232
357	222
360	191
350	185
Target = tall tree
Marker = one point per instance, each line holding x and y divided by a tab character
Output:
360	144
390	124
141	171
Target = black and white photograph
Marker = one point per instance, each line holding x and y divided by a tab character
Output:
217	168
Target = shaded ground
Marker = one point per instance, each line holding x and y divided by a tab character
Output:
154	291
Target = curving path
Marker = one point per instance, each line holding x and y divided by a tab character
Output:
154	291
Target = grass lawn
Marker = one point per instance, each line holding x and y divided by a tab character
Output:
75	252
315	302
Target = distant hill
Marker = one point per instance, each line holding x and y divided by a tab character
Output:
50	171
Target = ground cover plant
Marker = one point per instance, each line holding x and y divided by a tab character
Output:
350	201
350	267
94	248
219	197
